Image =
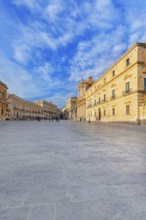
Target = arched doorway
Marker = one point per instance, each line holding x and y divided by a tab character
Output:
99	114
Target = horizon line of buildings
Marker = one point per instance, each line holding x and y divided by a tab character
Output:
13	107
119	95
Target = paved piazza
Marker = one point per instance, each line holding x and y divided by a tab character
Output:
72	171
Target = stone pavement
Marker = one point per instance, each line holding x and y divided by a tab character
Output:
72	171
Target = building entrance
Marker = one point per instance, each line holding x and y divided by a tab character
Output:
99	114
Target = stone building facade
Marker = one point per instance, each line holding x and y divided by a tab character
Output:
18	108
3	100
81	100
119	95
49	110
64	113
71	107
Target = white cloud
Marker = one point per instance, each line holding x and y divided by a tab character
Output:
53	10
45	71
18	80
31	4
22	53
60	99
134	38
43	38
95	56
66	26
119	48
57	23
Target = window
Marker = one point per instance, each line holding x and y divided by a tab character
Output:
104	80
127	87
127	109
104	113
99	100
95	114
144	83
113	110
113	93
127	62
104	98
113	73
2	112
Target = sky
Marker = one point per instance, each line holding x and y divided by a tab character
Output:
48	46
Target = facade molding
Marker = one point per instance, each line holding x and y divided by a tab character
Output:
117	96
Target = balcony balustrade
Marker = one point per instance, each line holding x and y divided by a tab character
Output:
98	103
127	92
89	106
104	100
113	97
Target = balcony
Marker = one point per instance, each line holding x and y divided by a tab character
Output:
127	92
98	103
113	97
104	100
89	106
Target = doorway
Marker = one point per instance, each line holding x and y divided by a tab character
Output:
99	114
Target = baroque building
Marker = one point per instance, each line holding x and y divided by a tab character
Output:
3	101
18	108
49	110
81	101
119	95
71	107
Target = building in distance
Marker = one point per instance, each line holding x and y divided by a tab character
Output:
3	100
49	109
71	107
81	101
19	109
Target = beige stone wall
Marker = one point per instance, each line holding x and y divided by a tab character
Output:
124	106
142	110
81	101
71	106
81	111
19	108
3	101
49	110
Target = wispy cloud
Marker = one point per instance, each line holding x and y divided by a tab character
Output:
50	45
19	80
94	56
31	4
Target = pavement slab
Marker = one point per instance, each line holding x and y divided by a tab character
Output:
72	171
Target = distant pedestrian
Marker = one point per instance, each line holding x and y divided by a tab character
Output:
57	119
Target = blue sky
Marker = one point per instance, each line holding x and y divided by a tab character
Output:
47	46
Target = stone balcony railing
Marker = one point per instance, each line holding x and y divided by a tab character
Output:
127	92
98	103
89	106
104	100
113	97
